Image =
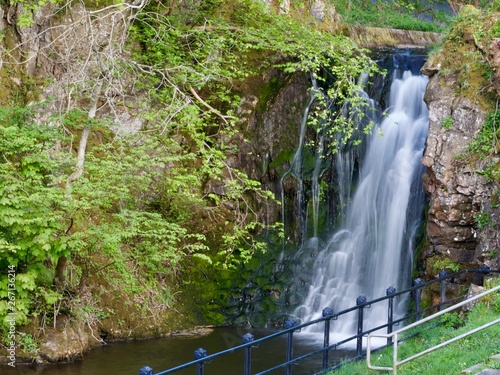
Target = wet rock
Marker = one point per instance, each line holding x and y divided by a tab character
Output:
196	331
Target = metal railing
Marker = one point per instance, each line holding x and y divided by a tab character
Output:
201	358
395	335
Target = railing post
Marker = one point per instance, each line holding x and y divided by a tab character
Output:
327	313
146	370
361	300
198	354
485	269
247	337
478	278
390	311
289	345
418	297
442	277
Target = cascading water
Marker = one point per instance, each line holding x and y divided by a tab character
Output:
296	167
373	248
296	170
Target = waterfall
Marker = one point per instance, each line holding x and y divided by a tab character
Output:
315	183
372	250
296	170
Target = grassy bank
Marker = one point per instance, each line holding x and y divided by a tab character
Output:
405	15
452	359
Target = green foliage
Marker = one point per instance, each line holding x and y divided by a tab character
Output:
399	14
486	142
495	6
452	320
483	220
27	343
495	30
28	7
465	59
447	123
446	264
31	6
32	219
223	50
107	215
494	300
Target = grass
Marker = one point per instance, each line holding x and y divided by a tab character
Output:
451	359
416	15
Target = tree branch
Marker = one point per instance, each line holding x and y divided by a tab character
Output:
212	109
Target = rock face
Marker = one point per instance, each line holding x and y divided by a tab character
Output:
462	182
456	190
271	110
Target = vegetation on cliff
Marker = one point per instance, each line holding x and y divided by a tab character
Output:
468	63
115	185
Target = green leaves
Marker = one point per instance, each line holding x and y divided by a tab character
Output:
399	14
32	221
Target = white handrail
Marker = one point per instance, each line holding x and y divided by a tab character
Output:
394	335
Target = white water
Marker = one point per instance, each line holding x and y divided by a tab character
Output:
373	249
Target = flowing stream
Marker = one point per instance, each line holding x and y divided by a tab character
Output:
373	248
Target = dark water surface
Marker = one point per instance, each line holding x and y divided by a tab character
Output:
125	358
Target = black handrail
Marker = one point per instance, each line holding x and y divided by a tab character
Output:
201	357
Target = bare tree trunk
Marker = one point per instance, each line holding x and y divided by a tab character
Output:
80	160
82	147
62	262
60	278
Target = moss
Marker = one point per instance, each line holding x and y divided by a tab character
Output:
249	295
11	73
283	157
466	56
268	92
18	88
495	196
94	4
493	174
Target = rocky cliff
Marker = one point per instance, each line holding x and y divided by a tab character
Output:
461	153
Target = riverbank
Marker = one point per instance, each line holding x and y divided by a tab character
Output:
74	343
